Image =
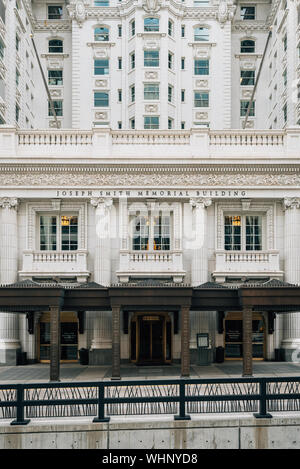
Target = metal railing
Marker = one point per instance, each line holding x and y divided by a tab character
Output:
180	397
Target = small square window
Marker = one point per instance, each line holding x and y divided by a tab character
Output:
55	12
247	12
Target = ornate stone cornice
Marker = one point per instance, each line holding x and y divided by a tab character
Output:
9	202
149	175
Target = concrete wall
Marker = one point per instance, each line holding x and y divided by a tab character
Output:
208	432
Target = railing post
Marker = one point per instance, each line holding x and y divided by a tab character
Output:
263	414
101	409
182	415
20	407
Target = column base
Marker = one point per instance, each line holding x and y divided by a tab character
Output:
290	350
8	357
100	357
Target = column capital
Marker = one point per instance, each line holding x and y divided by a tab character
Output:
9	202
102	202
291	202
200	202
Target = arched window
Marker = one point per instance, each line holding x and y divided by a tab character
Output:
201	34
101	34
56	46
151	24
247	46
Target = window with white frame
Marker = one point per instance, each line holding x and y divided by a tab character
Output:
247	46
151	122
247	77
151	91
243	232
55	46
151	232
151	58
101	67
247	12
55	12
201	67
101	34
201	99
151	24
201	33
58	232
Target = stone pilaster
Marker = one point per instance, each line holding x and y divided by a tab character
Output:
9	322
291	321
199	269
100	353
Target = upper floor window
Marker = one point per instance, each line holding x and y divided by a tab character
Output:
101	3
247	46
17	43
58	108
151	58
151	24
201	67
284	40
1	49
201	3
170	28
201	34
152	232
132	27
58	233
55	46
247	12
151	91
170	60
101	67
201	99
151	122
55	77
247	77
101	34
132	60
55	12
101	99
243	232
244	108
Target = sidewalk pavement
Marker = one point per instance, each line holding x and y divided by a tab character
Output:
39	372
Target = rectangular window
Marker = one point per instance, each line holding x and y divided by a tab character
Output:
119	125
170	93
201	67
101	67
151	233
119	30
58	107
101	3
132	28
244	107
182	31
101	99
170	28
151	58
151	91
247	77
132	123
17	113
132	93
247	13
1	50
120	63
48	231
182	125
55	77
253	233
120	96
182	63
69	233
17	43
284	110
284	75
284	43
182	96
17	77
151	122
132	60
232	233
170	60
201	99
170	123
55	12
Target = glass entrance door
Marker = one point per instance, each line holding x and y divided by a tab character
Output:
151	339
68	338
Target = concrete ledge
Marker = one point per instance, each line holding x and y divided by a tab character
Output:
239	431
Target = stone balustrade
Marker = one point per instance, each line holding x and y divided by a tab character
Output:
247	264
142	144
55	263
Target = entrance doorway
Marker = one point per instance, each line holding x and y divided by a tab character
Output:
150	339
233	336
68	338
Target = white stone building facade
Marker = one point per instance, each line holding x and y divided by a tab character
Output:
139	184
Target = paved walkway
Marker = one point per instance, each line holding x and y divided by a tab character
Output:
75	372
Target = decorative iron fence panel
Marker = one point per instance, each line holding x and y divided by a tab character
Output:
179	397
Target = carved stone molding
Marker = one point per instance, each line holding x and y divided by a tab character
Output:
201	202
9	202
101	201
